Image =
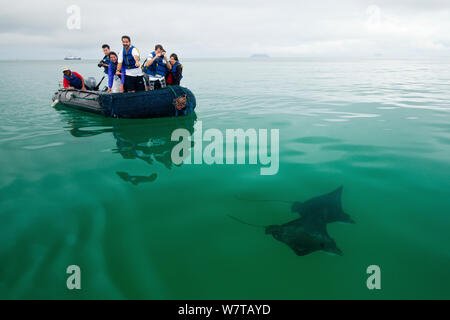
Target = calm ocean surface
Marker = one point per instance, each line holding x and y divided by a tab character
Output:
379	127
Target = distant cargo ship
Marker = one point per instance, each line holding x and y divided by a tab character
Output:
259	56
72	58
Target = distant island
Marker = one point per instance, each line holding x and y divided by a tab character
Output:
259	56
72	58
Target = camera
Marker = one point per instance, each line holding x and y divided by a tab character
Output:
100	64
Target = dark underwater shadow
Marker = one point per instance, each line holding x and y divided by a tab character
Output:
148	140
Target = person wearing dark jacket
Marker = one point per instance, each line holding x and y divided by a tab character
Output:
176	70
104	63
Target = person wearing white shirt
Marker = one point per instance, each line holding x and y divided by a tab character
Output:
130	57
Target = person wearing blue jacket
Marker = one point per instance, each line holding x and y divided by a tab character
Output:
115	81
156	69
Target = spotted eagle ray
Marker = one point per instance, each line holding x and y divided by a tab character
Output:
302	236
309	233
327	208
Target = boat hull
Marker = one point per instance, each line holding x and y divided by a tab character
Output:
143	104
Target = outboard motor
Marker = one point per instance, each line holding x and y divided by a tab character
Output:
90	83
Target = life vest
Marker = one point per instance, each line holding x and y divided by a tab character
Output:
74	81
106	60
158	67
174	71
128	59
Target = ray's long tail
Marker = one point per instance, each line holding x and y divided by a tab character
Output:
246	223
258	200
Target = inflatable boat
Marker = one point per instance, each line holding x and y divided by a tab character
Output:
168	102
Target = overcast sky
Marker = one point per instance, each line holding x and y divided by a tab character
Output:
37	29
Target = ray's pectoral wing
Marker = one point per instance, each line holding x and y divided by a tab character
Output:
335	199
336	205
337	192
327	207
302	252
332	199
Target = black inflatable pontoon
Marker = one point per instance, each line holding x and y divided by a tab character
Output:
143	104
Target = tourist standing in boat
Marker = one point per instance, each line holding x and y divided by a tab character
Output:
72	79
176	72
156	68
129	58
104	63
115	81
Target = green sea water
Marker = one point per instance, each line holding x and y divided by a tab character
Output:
103	194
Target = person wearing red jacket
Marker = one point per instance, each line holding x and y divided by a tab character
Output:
72	80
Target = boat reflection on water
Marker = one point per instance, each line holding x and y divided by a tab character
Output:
145	139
